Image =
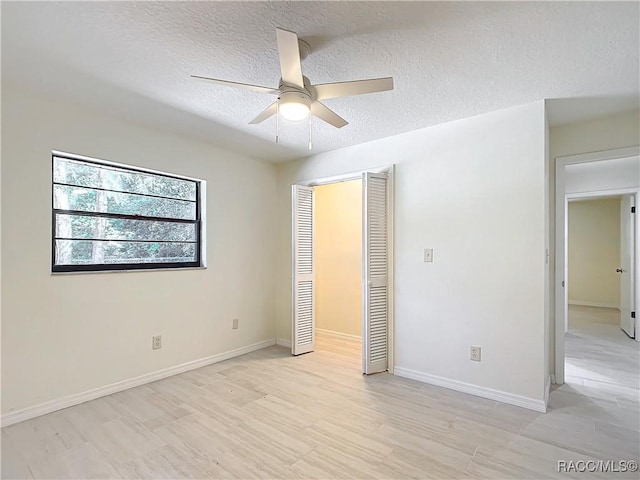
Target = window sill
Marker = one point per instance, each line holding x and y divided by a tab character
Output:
136	270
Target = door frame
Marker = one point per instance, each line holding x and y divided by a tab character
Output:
357	175
561	244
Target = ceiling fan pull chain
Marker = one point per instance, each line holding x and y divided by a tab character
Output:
310	133
277	120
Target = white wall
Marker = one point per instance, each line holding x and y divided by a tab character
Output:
594	252
607	133
338	257
613	174
65	334
474	191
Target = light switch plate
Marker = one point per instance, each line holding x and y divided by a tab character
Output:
428	255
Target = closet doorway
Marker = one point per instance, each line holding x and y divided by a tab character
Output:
338	268
342	267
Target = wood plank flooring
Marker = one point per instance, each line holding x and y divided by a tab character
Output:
270	415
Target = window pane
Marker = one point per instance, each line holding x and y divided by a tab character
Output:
76	172
93	252
83	226
91	200
162	225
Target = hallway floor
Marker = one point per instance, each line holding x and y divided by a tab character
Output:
599	354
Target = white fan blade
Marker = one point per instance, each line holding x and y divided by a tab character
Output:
346	89
246	86
289	53
329	116
266	113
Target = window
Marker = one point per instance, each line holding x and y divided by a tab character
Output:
113	217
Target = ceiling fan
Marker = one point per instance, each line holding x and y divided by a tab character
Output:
297	98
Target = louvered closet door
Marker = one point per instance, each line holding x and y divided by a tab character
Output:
303	335
376	294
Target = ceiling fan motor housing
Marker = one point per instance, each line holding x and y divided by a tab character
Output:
294	96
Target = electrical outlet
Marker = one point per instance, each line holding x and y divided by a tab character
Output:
475	353
156	342
235	323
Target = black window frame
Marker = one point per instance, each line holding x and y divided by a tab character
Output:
123	266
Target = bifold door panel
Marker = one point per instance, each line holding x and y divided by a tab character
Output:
376	272
303	335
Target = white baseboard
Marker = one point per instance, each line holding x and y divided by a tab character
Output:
74	399
333	333
490	393
283	342
594	304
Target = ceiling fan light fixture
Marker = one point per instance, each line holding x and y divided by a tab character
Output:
294	106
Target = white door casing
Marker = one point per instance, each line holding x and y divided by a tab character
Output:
627	265
303	334
375	298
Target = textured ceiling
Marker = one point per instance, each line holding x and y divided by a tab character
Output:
449	60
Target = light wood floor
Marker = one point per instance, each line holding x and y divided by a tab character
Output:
269	415
598	353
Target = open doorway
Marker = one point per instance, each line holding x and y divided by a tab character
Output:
596	270
599	344
338	269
